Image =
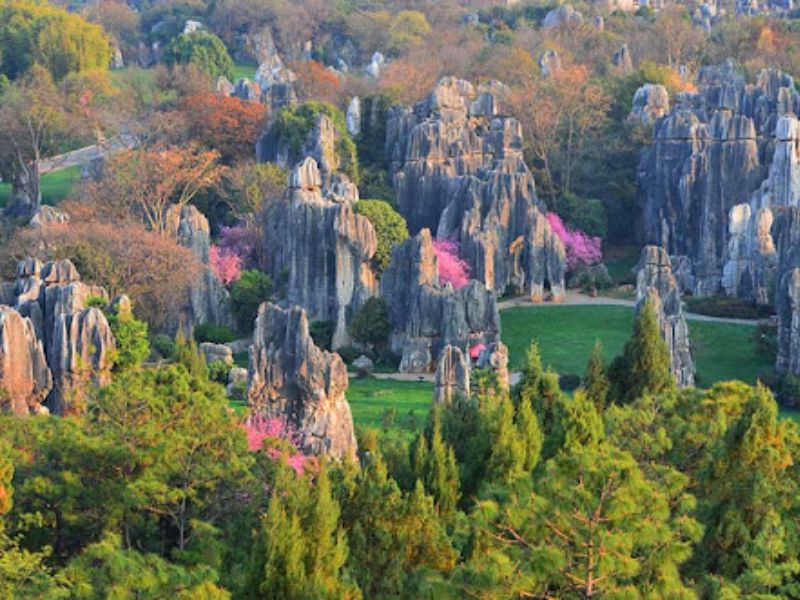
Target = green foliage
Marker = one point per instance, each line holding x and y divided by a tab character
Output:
645	364
187	354
202	49
293	125
322	334
596	384
390	227
130	334
163	345
585	214
218	371
40	33
371	325
247	294
216	334
407	29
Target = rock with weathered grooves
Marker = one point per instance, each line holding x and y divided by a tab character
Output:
290	378
25	378
452	375
426	316
655	282
209	301
323	250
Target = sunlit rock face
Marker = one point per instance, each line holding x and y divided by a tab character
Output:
458	170
290	378
731	143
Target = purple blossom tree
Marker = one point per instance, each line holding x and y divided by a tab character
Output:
581	249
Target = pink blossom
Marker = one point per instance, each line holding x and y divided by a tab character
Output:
581	249
242	241
261	430
452	268
226	264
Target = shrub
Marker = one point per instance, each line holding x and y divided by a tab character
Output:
202	49
322	333
787	389
452	268
216	334
247	294
371	325
130	334
569	381
765	338
584	214
218	371
390	228
349	353
729	308
163	345
579	247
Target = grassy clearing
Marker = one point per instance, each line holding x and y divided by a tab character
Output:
566	335
383	403
242	70
55	186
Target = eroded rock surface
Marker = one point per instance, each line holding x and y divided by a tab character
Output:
322	249
727	145
426	315
290	378
452	375
25	378
655	282
459	171
209	301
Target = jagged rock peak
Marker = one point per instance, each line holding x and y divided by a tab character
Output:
25	379
656	283
290	378
452	375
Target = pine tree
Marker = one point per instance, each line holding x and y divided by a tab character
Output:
530	384
441	479
531	435
645	367
508	456
595	381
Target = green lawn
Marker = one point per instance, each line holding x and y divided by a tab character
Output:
55	186
242	70
408	401
566	335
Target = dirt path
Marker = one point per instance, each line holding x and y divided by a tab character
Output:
81	156
577	299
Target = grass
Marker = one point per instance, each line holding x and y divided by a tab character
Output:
242	70
566	335
381	403
55	186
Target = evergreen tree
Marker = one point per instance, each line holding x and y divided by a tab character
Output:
441	479
531	434
645	364
595	381
508	455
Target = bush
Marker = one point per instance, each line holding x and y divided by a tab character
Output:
130	334
765	338
371	325
218	371
202	49
729	308
584	214
569	381
216	334
787	389
349	353
390	228
163	345
322	333
247	294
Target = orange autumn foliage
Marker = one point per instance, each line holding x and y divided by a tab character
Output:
228	125
316	82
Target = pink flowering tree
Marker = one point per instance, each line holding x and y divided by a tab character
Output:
273	436
452	268
581	249
242	241
225	263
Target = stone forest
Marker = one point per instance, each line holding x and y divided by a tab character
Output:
425	299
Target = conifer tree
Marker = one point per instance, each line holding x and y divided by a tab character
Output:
531	434
645	364
508	456
441	479
595	381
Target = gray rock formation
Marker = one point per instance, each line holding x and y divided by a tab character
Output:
323	251
495	357
223	86
246	90
713	151
452	375
458	170
76	337
290	378
25	379
622	61
354	116
216	353
655	282
427	316
363	365
787	302
209	301
47	216
549	63
650	103
563	15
